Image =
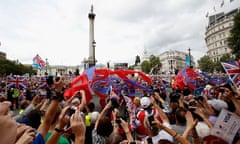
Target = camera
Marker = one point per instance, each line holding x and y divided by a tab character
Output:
151	119
71	110
118	120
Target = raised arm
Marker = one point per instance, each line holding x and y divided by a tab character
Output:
172	132
59	129
56	94
160	111
102	113
83	100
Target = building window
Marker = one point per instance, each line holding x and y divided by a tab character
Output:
225	49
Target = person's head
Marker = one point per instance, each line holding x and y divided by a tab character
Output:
91	106
174	104
211	139
145	102
156	91
24	104
180	116
105	126
8	129
217	105
32	119
136	101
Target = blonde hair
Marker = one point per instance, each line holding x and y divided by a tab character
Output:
136	101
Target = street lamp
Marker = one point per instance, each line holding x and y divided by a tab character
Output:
189	50
85	61
94	45
46	73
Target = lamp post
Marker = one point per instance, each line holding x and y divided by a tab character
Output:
46	72
85	61
171	66
93	46
189	54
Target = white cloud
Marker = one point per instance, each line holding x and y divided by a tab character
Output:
58	29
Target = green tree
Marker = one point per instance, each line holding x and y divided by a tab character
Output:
11	67
153	64
225	58
206	64
146	67
234	39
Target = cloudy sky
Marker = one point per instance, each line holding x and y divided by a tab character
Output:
59	29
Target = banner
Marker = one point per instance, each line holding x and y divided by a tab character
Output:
226	126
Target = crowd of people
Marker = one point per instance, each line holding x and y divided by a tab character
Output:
160	116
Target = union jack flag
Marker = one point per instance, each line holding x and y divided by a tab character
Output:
42	82
38	62
232	68
19	82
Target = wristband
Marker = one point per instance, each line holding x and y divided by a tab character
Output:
175	135
59	130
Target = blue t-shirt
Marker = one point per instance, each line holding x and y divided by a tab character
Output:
39	139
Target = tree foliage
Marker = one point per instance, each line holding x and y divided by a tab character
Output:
153	63
12	67
225	58
234	39
206	64
146	66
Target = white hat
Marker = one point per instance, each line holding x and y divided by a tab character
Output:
218	104
145	102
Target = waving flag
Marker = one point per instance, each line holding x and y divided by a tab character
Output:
232	68
186	76
38	63
101	81
42	82
19	82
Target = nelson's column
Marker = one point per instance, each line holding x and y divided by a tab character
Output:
92	44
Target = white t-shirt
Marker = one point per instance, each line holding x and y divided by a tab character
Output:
161	135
